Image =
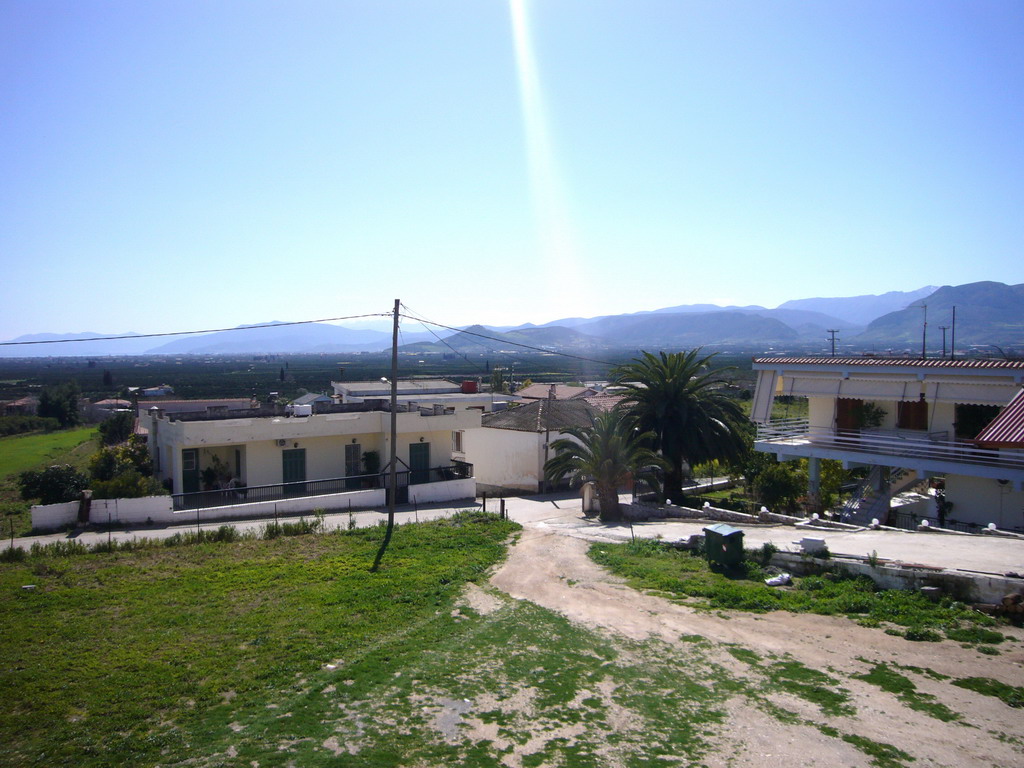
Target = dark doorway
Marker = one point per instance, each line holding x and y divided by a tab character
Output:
190	470
293	470
353	463
848	412
419	463
970	419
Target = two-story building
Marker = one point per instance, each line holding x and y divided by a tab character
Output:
908	420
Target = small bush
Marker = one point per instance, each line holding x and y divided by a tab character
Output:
922	635
975	634
12	555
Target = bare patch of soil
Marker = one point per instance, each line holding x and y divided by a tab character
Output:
553	571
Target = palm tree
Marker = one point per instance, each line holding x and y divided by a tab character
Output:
676	397
609	452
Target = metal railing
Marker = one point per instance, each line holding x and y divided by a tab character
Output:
909	521
900	443
250	494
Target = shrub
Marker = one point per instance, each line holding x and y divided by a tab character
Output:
53	485
922	635
17	425
117	428
975	634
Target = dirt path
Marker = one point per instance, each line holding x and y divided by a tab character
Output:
552	570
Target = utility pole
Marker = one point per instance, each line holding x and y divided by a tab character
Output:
952	337
924	333
943	328
832	332
393	468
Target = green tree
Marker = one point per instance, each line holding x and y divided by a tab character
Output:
123	471
498	383
61	403
130	484
117	428
52	485
131	456
678	398
780	485
609	453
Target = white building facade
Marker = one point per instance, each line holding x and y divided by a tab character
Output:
250	449
918	416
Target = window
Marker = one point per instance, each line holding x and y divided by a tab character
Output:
912	414
457	441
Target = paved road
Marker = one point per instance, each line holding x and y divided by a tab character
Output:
561	514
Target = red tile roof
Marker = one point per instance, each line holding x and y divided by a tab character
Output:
1007	429
900	361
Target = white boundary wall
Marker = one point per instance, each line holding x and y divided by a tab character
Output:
157	510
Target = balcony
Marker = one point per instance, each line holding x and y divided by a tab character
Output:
926	451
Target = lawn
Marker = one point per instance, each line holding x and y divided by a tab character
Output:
648	564
288	651
35	451
22	452
123	658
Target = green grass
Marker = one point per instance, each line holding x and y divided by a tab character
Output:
1011	695
35	451
904	688
22	452
115	658
648	564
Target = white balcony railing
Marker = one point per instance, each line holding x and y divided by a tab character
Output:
920	446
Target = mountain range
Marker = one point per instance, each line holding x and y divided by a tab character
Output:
988	313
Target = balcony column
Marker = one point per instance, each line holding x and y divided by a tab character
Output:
814	484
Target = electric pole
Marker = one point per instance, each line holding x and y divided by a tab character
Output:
952	337
924	333
392	467
943	328
832	332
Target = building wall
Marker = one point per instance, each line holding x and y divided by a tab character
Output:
323	436
983	501
505	458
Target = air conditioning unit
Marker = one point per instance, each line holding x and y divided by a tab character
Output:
282	443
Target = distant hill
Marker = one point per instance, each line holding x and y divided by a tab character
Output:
467	342
986	313
77	348
861	310
688	329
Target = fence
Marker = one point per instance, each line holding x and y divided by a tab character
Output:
254	494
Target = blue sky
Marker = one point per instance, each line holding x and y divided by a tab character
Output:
177	165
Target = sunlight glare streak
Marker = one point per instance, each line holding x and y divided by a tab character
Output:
557	242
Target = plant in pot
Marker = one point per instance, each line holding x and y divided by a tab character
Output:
371	466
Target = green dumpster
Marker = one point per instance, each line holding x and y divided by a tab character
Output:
723	545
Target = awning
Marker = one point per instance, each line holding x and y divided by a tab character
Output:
870	389
1007	429
811	386
967	393
764	396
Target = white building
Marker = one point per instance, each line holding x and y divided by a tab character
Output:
918	416
510	449
311	454
424	393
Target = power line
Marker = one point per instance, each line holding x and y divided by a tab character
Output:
189	333
423	321
514	343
